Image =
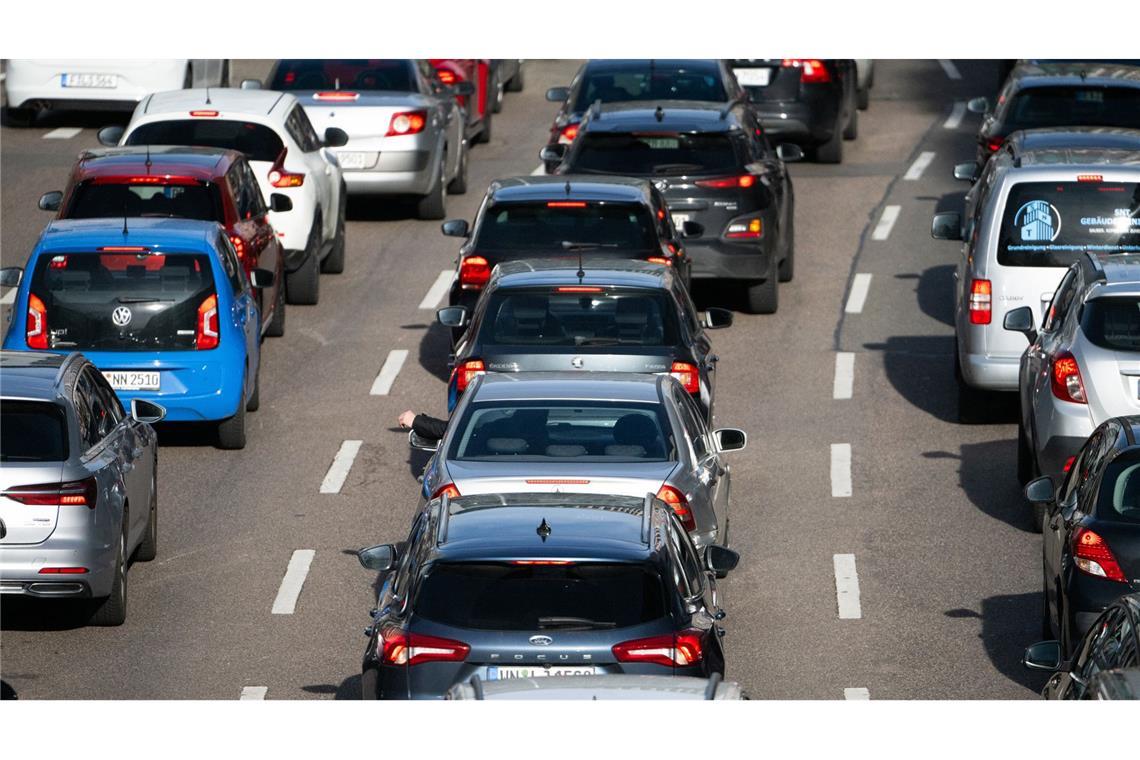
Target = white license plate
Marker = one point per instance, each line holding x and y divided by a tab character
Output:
97	81
680	219
753	77
132	381
496	673
356	159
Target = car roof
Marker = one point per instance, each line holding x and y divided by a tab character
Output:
221	99
197	162
567	386
676	116
573	187
1076	73
33	374
615	273
1074	145
1118	274
154	233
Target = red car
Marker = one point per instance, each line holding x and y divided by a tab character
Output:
479	106
186	183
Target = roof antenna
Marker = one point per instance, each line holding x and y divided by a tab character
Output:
125	230
543	530
567	188
581	271
336	83
148	158
659	114
208	96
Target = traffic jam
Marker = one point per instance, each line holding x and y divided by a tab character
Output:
535	336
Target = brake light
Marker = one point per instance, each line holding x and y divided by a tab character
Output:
278	177
660	260
466	372
566	204
76	493
449	490
569	132
37	327
682	648
679	504
445	76
812	70
744	180
1069	463
337	96
407	123
556	481
688	376
123	249
207	332
62	570
397	647
1065	377
239	246
474	272
980	303
150	179
1090	178
541	562
207	114
577	289
993	144
753	228
1093	556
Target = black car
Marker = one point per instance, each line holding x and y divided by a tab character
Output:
564	218
1106	663
518	586
725	184
809	102
614	316
1091	552
623	80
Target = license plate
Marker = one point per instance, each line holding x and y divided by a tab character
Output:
132	381
356	159
680	219
753	77
496	673
98	81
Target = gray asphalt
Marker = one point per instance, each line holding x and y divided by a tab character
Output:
948	568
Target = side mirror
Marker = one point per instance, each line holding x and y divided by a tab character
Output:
967	172
946	226
251	84
789	152
720	559
692	229
553	154
1044	655
147	411
558	94
730	439
110	136
262	278
463	89
454	228
1021	320
978	105
716	318
50	201
1040	490
452	316
335	137
280	202
380	558
10	276
421	444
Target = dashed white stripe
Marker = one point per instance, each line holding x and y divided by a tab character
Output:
886	223
253	692
950	69
538	171
858	296
956	115
388	372
340	466
295	574
840	469
844	375
858	692
847	587
919	166
438	289
9	297
63	133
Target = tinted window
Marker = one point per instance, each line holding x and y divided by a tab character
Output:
1113	323
530	226
232	265
257	142
32	431
100	200
551	317
691	422
107	396
122	302
1062	300
97	422
655	154
1049	224
1073	106
657	81
1119	497
256	200
506	597
564	431
359	74
301	130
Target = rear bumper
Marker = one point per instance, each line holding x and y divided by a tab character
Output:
20	569
395	173
807	122
715	258
32	82
192	389
991	373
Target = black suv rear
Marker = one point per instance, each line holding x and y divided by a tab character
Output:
517	586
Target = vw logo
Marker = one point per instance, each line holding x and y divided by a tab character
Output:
3	529
576	362
121	316
661	184
541	641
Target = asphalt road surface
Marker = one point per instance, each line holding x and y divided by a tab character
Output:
910	572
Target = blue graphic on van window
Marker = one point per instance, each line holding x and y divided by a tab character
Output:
1038	221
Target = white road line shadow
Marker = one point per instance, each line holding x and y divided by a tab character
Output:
847	587
63	133
844	375
295	574
340	466
950	69
956	115
253	692
856	693
886	223
840	470
438	289
857	298
919	166
391	368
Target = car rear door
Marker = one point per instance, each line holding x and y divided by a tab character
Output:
324	170
709	498
33	449
125	452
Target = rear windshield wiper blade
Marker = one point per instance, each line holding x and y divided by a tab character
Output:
570	245
584	341
140	299
573	622
667	168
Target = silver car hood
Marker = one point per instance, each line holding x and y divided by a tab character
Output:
624	478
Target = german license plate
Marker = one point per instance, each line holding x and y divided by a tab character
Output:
132	381
96	81
680	219
497	673
753	77
356	159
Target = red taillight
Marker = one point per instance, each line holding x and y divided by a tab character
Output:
123	249
1093	556
207	114
77	493
445	76
448	489
474	272
62	570
981	302
1065	378
753	228
1069	463
577	289
1090	178
466	372
239	246
744	180
337	96
278	177
58	262
994	143
682	648
407	123
37	327
679	504
207	332
397	647
569	132
688	376
660	260
812	70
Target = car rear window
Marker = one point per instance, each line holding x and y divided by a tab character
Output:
640	154
123	301
257	141
533	431
1119	497
393	75
1037	107
185	200
1049	224
1112	323
32	431
549	224
501	596
567	316
657	81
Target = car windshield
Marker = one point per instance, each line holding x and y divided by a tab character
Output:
1112	323
654	154
32	431
1074	106
549	224
1049	224
652	81
579	316
1119	497
100	199
256	141
361	74
563	431
123	301
502	596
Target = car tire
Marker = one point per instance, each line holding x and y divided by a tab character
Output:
304	285
254	402
764	297
276	326
18	117
334	262
788	264
863	97
517	82
231	432
148	548
112	609
458	184
370	684
434	204
852	129
830	152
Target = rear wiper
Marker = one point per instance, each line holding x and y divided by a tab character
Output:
570	245
667	168
140	299
573	622
583	341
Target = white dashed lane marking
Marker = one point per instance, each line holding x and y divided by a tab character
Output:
291	584
856	693
950	69
857	298
540	170
840	469
886	223
63	133
340	466
388	372
844	375
8	298
847	587
438	289
919	166
253	692
956	115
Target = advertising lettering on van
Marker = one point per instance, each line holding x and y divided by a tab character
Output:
1121	220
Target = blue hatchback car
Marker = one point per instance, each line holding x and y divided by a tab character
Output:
160	306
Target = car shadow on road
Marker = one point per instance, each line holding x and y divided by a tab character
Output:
379	208
349	688
43	614
1010	623
986	474
52	118
186	434
921	369
720	293
934	292
435	347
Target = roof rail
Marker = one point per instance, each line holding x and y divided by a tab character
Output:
595	110
444	519
647	518
724	112
711	687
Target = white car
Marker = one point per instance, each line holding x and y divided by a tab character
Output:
286	154
32	85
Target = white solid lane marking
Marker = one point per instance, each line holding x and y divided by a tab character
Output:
858	692
847	587
9	297
956	115
63	133
840	469
438	289
950	69
858	296
540	170
919	166
253	692
286	600
388	372
844	375
340	466
886	223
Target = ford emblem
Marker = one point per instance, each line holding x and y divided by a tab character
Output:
541	641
